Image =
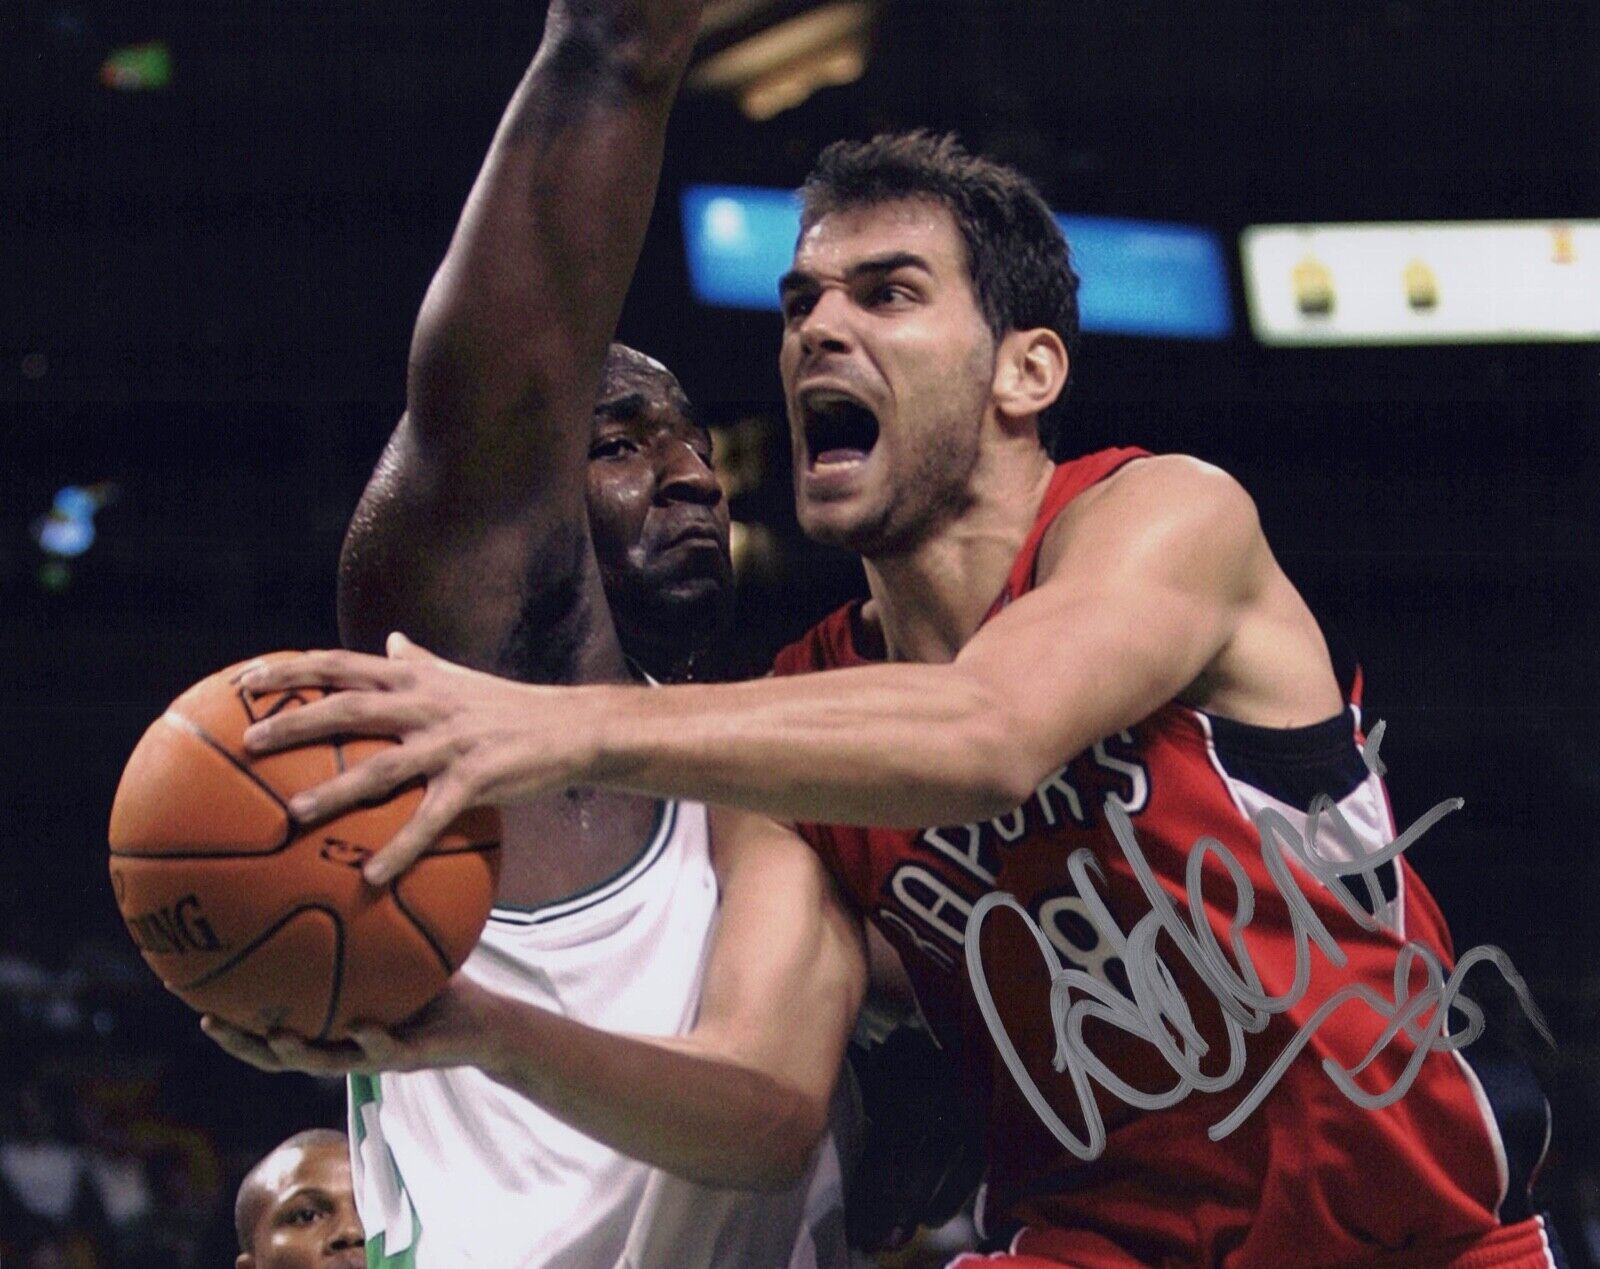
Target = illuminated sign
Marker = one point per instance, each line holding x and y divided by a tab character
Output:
1428	282
1138	277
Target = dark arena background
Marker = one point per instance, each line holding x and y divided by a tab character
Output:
216	225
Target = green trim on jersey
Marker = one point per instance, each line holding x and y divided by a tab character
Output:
407	1259
364	1091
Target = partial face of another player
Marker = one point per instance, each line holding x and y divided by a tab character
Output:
656	512
887	368
308	1219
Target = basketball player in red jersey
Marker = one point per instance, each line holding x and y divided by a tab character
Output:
1068	674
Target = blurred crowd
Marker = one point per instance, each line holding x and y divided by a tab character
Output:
124	1134
122	1139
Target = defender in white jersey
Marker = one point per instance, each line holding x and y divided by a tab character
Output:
536	1113
454	1169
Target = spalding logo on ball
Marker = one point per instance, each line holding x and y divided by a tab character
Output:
269	924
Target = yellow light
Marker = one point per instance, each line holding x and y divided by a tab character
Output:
740	455
753	550
780	67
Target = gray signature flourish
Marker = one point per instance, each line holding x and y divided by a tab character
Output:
1157	1013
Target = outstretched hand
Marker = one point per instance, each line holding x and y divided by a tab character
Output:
475	739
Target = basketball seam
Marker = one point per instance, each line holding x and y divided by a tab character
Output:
291	829
194	729
216	971
135	855
427	934
466	848
471	848
336	988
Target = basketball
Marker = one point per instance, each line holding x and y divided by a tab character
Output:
269	924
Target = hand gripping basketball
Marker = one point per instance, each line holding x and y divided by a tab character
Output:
250	913
465	733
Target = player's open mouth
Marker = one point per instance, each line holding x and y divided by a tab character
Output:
840	430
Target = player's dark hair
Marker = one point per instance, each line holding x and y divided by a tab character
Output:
1017	256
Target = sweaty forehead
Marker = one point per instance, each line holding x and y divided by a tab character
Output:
314	1164
280	1169
630	366
841	239
632	379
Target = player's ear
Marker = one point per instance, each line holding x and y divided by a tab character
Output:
1030	371
246	1260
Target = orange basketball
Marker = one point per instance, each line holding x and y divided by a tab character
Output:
267	924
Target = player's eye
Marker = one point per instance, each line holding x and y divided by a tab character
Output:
889	293
612	447
302	1216
796	304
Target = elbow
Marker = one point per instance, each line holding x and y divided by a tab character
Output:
643	53
1001	773
653	66
781	1151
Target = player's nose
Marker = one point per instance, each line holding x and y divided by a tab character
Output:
683	476
825	328
347	1234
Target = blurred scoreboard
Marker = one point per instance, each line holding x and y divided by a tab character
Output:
1426	282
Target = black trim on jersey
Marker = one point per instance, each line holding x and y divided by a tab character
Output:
582	900
1521	1114
1292	764
1295	765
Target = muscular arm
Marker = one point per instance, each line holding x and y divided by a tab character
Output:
740	1101
483	476
1136	599
1156	584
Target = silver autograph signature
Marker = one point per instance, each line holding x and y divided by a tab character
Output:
1157	1013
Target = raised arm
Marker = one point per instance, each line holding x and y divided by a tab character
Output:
485	469
741	1101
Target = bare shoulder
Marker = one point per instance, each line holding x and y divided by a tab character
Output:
1163	502
1169	482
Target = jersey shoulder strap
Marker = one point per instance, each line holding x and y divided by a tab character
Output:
828	645
1071	479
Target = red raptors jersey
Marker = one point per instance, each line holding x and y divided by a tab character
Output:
1307	1177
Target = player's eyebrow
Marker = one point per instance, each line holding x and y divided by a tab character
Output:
630	405
888	263
636	405
314	1194
800	280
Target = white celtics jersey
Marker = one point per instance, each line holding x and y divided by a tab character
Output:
453	1169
